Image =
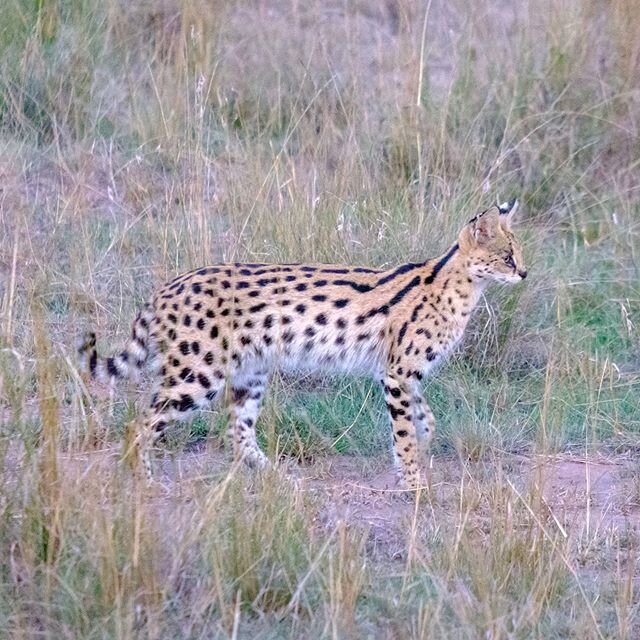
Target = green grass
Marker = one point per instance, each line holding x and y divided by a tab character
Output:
138	140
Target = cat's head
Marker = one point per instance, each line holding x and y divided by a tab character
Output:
492	250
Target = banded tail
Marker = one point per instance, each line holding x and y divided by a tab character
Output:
128	363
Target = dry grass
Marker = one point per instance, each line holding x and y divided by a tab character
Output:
137	140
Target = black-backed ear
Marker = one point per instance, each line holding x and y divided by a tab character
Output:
507	211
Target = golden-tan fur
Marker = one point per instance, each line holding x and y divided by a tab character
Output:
233	324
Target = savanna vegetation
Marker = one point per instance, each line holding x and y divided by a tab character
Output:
140	139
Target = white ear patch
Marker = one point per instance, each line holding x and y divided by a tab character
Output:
508	207
507	211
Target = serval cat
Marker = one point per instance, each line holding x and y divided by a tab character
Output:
233	324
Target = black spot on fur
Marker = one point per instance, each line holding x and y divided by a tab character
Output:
402	332
238	395
185	403
187	375
112	369
416	311
93	363
394	411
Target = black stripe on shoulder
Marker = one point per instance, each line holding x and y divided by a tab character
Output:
358	286
438	266
205	271
403	292
405	268
334	270
365	270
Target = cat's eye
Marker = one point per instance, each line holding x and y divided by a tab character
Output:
509	261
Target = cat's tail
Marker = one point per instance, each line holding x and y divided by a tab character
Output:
128	363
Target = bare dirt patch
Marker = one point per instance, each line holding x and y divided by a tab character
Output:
581	496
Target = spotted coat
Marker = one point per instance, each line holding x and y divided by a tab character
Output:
231	325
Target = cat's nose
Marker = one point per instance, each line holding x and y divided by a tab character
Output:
522	274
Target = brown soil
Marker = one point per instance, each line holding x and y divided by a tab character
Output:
579	495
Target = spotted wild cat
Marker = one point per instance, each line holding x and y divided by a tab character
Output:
233	324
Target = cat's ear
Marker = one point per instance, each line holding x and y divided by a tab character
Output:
485	226
507	212
480	230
